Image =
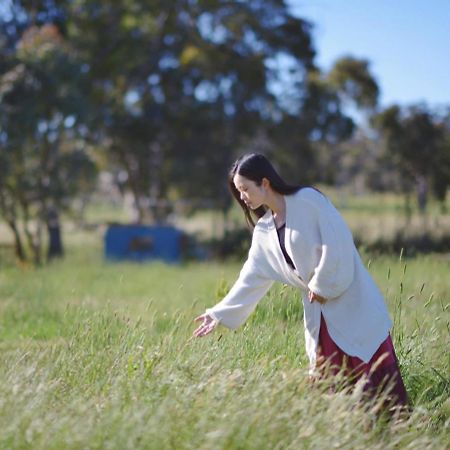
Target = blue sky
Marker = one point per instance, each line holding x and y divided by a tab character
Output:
407	42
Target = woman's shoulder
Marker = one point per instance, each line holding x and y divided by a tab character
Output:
309	195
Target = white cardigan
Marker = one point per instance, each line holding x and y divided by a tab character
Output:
321	247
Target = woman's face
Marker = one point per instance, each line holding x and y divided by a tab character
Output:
251	194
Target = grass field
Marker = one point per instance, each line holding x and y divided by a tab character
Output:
97	356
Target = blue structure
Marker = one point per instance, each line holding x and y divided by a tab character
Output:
143	243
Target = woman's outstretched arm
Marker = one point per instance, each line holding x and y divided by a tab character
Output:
238	304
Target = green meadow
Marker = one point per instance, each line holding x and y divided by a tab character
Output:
98	355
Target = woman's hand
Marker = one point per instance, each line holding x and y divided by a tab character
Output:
207	326
316	297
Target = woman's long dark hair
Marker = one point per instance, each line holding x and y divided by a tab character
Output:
255	167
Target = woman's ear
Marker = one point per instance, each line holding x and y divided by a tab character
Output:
265	183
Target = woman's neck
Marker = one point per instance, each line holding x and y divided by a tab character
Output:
277	204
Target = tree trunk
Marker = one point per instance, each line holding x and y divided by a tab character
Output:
8	213
137	202
18	245
55	247
158	206
132	184
408	209
422	193
34	240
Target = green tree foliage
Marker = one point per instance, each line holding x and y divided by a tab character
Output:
43	157
349	85
440	180
417	144
352	78
181	87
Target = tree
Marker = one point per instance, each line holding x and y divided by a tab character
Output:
348	86
43	152
179	85
416	143
352	79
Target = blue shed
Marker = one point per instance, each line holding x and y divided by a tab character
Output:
142	243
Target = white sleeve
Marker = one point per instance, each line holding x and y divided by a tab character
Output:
335	271
242	298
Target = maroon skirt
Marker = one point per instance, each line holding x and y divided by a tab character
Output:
382	373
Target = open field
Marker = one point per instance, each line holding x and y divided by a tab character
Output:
377	220
97	355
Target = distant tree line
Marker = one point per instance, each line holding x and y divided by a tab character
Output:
168	93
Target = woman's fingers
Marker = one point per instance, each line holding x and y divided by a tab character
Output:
197	319
202	331
198	330
201	328
209	328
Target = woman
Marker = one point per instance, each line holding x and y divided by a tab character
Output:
301	239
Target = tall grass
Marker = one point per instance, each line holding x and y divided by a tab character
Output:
97	355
